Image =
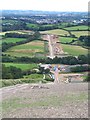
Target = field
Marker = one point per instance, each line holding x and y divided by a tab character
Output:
22	66
83	27
66	39
3	33
12	22
28	49
12	40
80	33
32	25
17	31
62	25
56	32
74	50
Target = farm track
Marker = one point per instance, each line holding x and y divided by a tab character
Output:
55	48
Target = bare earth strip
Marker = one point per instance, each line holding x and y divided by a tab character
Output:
55	48
51	100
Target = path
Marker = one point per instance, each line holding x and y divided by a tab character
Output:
55	48
49	101
50	47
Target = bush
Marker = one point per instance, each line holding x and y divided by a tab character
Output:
10	82
49	79
87	78
80	69
11	72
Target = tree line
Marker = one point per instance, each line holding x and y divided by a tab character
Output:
80	69
85	40
69	60
11	72
29	38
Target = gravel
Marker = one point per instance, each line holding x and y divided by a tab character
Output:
46	101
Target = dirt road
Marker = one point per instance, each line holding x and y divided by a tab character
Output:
45	101
50	47
55	48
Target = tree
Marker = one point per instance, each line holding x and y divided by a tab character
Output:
73	61
82	59
36	35
11	72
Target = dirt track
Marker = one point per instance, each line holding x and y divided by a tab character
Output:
50	101
55	48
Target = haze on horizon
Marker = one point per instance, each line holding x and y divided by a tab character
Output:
45	5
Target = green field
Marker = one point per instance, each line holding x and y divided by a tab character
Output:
32	25
17	31
10	21
83	27
65	24
66	39
80	33
34	76
47	25
56	32
28	49
12	40
74	50
22	65
3	33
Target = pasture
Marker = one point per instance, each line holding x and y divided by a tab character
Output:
28	49
9	21
22	66
32	25
56	32
66	39
12	40
17	31
81	27
74	50
80	33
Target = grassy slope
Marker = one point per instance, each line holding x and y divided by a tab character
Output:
74	50
66	39
32	25
79	33
57	32
16	31
13	40
28	49
22	65
83	27
10	21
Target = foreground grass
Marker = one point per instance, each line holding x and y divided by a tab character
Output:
50	101
32	78
11	82
74	50
22	66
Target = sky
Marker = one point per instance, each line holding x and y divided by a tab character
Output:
45	5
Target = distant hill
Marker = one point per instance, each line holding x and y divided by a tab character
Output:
34	12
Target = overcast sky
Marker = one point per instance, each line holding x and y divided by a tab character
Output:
45	5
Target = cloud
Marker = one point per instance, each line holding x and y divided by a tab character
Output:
49	5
